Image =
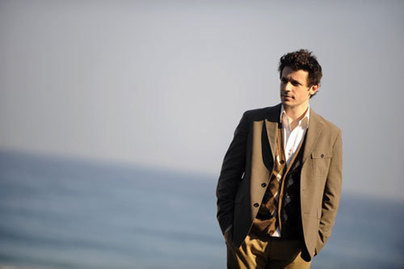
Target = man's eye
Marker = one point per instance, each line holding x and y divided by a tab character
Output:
295	83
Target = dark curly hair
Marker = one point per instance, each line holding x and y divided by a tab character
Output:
302	60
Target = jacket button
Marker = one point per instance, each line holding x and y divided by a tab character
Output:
263	185
256	204
282	161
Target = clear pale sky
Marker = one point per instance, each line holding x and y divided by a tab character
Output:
164	83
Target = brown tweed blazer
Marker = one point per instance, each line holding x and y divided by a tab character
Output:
249	161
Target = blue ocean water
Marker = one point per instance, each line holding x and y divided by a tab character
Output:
66	213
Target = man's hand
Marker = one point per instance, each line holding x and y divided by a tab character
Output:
227	234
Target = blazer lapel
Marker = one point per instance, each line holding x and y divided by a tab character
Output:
271	124
313	133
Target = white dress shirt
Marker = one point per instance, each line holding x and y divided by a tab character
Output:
292	140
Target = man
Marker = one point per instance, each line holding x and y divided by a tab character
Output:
280	183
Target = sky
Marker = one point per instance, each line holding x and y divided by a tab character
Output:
164	83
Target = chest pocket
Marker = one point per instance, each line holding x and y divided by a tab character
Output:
321	163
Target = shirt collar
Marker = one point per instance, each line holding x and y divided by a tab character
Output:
304	122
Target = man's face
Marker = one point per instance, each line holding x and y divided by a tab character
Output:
295	93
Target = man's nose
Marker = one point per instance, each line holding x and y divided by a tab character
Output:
288	87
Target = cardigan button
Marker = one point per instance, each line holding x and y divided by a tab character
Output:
263	185
256	205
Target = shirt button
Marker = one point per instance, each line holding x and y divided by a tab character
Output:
256	205
263	185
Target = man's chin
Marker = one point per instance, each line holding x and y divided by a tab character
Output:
286	102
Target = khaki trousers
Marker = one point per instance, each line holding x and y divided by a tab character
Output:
266	253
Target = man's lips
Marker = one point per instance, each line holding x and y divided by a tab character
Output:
286	96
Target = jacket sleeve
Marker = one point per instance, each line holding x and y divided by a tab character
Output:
231	173
332	194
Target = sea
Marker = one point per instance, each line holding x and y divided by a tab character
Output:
62	213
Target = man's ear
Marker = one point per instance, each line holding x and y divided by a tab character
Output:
313	89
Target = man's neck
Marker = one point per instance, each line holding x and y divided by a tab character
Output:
295	115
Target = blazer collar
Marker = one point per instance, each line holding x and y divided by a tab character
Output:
313	132
271	124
